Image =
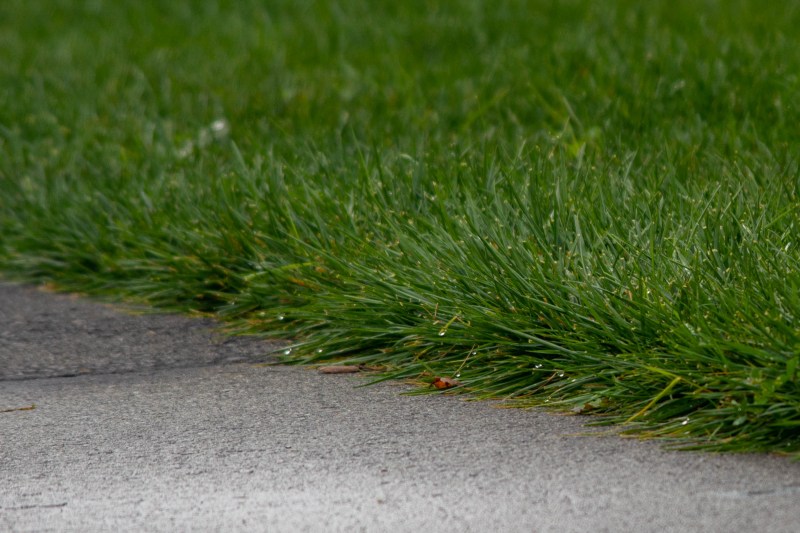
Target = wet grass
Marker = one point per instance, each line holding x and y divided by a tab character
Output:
590	206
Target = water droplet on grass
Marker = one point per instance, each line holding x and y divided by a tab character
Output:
186	150
281	317
220	127
442	332
287	352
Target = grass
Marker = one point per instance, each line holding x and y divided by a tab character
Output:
588	206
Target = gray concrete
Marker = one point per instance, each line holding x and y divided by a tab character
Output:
53	335
163	427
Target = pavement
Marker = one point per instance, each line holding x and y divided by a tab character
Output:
146	422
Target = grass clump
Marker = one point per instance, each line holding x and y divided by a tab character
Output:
588	207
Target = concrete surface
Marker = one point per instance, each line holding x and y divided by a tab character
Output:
163	426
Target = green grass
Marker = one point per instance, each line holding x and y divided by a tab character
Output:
592	206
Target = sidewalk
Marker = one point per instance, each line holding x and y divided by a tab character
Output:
153	422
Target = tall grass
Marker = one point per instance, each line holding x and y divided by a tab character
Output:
587	206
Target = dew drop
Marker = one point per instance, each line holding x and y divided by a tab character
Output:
281	317
442	332
539	365
220	127
186	150
287	352
319	350
685	422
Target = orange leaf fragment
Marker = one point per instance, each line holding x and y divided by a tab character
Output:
445	383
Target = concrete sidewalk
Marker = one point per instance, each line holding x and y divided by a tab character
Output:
155	423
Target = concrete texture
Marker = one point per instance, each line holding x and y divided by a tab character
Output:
55	335
165	435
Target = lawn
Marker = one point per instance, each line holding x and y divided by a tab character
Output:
590	206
